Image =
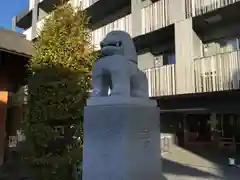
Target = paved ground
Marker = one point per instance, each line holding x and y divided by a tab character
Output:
198	164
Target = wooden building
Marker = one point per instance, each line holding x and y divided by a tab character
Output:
15	52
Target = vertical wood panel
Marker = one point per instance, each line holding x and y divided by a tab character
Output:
161	80
198	7
157	15
218	72
124	23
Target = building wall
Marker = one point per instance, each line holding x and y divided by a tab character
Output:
3	110
177	14
35	18
158	14
111	18
187	48
146	60
147	16
136	7
31	4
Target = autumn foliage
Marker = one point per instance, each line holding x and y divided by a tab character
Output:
57	91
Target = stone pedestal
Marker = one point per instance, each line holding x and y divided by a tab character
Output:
121	140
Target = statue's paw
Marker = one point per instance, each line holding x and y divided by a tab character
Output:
95	93
117	93
139	94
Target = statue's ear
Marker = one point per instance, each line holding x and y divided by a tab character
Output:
101	44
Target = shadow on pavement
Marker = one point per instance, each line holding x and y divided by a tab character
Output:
171	167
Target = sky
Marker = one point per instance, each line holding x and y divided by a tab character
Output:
8	9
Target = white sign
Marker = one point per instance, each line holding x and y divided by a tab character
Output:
12	142
20	136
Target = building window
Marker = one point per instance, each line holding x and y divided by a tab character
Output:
221	46
165	59
171	59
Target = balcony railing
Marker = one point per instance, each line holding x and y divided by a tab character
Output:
198	7
217	73
155	16
88	3
161	80
124	23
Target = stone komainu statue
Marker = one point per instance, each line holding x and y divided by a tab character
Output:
117	68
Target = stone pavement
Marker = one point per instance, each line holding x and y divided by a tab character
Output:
183	164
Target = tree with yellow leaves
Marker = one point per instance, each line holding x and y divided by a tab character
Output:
57	92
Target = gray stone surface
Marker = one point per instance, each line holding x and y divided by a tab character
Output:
120	100
117	69
121	143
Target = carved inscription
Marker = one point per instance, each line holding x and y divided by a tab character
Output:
112	135
145	137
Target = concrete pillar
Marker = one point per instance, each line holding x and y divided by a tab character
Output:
121	139
136	6
177	10
31	4
34	18
14	19
146	60
136	16
213	122
185	129
188	46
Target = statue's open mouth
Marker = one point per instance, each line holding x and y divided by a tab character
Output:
112	44
107	45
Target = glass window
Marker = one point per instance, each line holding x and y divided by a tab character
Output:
171	59
165	59
228	45
221	46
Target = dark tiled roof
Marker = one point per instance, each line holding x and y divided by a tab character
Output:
14	42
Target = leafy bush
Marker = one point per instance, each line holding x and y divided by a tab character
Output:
56	94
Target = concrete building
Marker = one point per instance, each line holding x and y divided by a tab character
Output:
189	50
